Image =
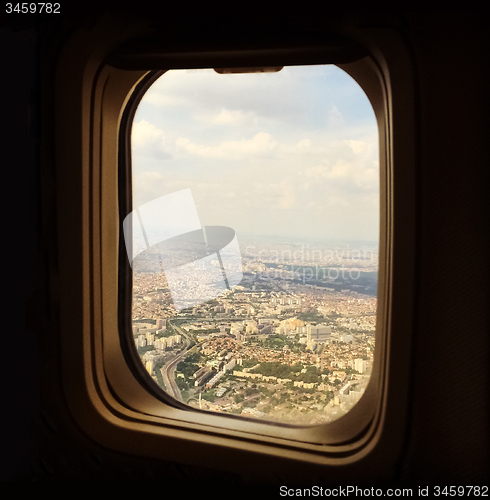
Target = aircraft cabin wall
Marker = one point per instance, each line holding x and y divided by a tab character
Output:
446	436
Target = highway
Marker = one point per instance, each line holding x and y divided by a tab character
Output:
168	369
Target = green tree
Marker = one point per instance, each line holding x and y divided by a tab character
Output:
208	396
181	383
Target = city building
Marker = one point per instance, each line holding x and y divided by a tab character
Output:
318	333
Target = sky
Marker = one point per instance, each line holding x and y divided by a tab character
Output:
292	154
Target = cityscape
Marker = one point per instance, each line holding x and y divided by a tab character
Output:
293	342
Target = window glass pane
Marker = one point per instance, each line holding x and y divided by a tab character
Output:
254	240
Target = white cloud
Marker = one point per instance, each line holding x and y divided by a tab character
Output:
335	118
288	197
146	186
261	145
295	153
235	117
339	170
354	166
358	147
149	140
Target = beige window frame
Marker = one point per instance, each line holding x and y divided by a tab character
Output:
100	75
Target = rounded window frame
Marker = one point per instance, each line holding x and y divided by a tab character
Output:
109	401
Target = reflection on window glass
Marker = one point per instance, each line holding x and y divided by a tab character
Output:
254	241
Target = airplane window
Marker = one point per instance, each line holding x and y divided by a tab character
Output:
253	240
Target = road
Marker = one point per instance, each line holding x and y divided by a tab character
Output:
168	369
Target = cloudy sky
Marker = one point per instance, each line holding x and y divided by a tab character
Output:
291	154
